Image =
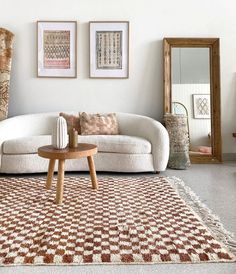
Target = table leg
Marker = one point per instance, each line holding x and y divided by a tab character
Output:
50	173
92	172
60	181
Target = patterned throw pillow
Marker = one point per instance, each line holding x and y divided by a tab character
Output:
98	124
72	121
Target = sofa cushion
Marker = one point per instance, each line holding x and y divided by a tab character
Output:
118	143
106	143
26	145
98	124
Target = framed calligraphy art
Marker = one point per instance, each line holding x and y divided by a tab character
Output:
109	49
57	49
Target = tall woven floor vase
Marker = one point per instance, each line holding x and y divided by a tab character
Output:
176	125
6	42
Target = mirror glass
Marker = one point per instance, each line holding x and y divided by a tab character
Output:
190	94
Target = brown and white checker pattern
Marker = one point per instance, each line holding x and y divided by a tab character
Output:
99	124
127	220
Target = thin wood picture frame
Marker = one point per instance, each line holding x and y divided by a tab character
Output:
57	49
109	49
201	106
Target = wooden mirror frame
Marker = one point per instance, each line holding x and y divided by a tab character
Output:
214	48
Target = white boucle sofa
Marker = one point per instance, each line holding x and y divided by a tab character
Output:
143	145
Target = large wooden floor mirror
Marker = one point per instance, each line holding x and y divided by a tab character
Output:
192	87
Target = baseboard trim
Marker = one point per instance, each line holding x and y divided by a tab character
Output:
229	156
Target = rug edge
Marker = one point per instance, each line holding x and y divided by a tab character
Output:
210	220
223	261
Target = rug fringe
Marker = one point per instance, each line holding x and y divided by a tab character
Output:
211	220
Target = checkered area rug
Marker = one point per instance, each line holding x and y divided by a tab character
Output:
127	220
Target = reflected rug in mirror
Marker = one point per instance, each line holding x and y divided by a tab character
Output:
134	220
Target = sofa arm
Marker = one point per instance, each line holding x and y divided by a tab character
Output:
150	129
25	125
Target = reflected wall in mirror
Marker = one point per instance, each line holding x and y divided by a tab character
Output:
192	87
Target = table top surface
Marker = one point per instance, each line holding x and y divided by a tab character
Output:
83	150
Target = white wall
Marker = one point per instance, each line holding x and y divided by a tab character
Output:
150	21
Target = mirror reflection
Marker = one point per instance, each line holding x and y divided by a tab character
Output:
190	85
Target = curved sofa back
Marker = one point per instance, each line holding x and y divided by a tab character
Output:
30	124
41	123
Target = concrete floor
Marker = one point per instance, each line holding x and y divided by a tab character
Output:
215	184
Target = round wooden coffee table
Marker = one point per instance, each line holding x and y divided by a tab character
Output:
83	150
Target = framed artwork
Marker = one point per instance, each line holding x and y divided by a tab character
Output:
109	49
57	49
201	106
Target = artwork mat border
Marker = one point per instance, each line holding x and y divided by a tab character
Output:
201	116
74	69
93	65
